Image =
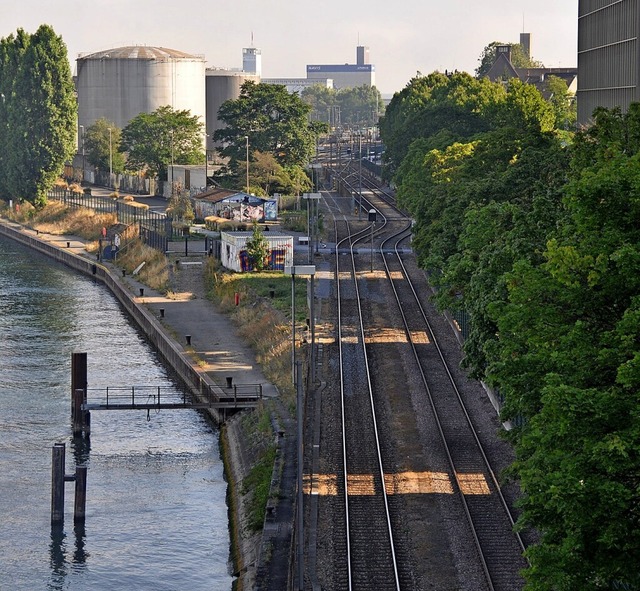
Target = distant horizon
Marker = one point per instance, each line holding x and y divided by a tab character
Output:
402	40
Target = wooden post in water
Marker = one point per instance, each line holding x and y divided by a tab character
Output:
57	483
80	501
81	419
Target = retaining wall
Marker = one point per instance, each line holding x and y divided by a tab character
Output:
198	382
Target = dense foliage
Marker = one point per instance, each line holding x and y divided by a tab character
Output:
153	141
357	107
37	113
100	146
266	119
535	237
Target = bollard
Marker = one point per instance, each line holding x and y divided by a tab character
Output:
68	244
161	312
141	291
237	298
188	337
124	272
229	382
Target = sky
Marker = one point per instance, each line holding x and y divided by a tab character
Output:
404	36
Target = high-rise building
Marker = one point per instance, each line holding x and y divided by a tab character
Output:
608	55
252	60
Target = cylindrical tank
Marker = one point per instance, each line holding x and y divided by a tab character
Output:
120	83
222	85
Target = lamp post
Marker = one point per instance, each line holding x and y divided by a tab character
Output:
311	227
110	158
372	219
82	144
246	139
171	138
297	380
293	271
360	173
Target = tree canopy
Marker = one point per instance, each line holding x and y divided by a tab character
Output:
265	118
358	107
101	143
38	113
152	141
533	234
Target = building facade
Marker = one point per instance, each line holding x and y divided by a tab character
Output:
252	60
362	73
608	55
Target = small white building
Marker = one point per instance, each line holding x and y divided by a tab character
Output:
234	256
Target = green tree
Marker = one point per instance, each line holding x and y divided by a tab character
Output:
321	99
40	111
258	249
152	141
101	143
562	102
519	58
11	52
360	106
568	364
440	108
271	121
181	209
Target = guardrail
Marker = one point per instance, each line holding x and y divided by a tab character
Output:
167	397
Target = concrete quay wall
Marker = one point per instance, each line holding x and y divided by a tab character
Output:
197	382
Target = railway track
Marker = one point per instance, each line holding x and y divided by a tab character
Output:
371	546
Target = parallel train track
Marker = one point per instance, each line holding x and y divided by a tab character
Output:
370	548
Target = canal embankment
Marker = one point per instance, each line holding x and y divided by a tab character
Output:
214	355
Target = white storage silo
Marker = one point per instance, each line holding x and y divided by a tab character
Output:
222	85
120	83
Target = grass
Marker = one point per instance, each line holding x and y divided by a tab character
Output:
257	485
57	219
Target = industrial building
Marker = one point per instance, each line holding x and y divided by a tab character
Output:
362	73
299	84
252	60
118	84
503	69
608	55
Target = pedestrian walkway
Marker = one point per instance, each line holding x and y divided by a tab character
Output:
214	345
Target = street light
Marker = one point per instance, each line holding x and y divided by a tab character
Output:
360	171
372	219
82	142
110	158
171	136
311	229
293	271
246	139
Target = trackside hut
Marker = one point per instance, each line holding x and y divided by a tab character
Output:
234	256
234	205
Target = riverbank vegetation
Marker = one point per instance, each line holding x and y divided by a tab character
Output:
532	232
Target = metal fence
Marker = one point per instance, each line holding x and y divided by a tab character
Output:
155	229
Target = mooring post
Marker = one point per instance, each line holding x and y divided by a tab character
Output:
80	501
78	378
57	483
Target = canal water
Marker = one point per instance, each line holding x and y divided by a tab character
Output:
156	508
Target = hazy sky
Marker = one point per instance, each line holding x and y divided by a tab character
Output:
403	36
